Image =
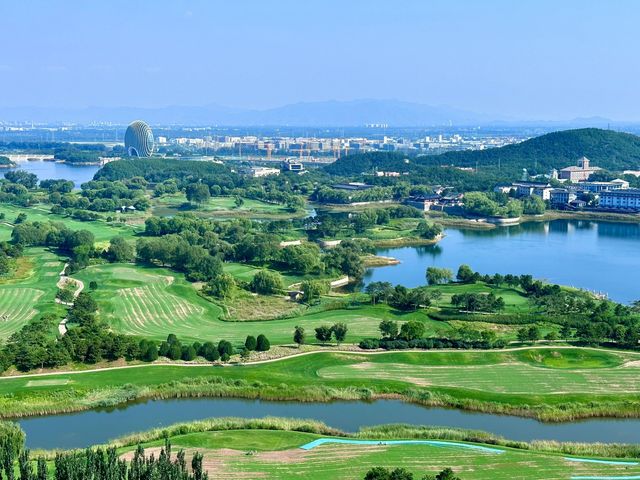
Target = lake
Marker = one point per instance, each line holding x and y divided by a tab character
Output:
93	427
598	256
52	170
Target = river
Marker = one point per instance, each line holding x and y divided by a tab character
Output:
598	256
93	427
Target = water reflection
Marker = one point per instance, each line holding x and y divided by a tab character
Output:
585	254
619	230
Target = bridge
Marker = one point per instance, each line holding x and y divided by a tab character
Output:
25	157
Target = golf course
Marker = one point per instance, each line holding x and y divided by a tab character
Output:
561	383
186	298
287	454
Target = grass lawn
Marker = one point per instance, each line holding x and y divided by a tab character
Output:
245	273
221	207
102	230
544	374
397	227
153	302
549	382
276	455
29	290
258	440
514	300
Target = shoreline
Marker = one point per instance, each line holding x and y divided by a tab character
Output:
379	433
406	242
229	389
79	399
54	160
550	215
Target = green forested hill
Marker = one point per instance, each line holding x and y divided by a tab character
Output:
367	162
159	169
605	148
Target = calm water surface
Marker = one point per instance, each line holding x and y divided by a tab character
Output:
52	170
92	427
598	256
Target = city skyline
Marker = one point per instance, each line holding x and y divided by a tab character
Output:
522	62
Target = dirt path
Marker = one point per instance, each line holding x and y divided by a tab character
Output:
62	281
295	355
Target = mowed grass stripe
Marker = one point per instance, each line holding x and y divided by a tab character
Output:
16	308
132	313
172	307
151	302
512	378
152	306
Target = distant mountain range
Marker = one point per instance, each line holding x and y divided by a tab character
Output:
354	113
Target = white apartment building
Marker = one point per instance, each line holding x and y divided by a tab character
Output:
623	199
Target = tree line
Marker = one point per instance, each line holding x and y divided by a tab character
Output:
400	473
97	464
411	335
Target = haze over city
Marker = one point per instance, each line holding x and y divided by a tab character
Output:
501	60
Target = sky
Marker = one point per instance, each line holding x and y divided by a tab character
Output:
526	59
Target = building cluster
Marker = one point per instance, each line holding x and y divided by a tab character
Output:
289	165
307	147
439	200
577	190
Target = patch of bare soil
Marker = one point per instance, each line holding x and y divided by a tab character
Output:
216	462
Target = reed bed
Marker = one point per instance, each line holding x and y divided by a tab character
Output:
382	432
73	400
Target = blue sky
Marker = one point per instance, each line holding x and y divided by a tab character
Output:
537	59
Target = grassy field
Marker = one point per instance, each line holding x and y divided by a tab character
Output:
546	372
153	302
102	230
241	454
548	383
514	300
221	207
290	448
245	272
30	289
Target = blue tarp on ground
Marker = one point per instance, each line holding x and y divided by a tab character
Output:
606	462
433	443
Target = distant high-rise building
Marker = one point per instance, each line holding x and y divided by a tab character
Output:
138	139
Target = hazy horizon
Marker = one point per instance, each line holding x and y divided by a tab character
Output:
540	60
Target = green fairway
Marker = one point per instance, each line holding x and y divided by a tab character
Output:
245	272
510	381
221	207
16	308
102	230
514	300
153	302
511	377
28	290
241	454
